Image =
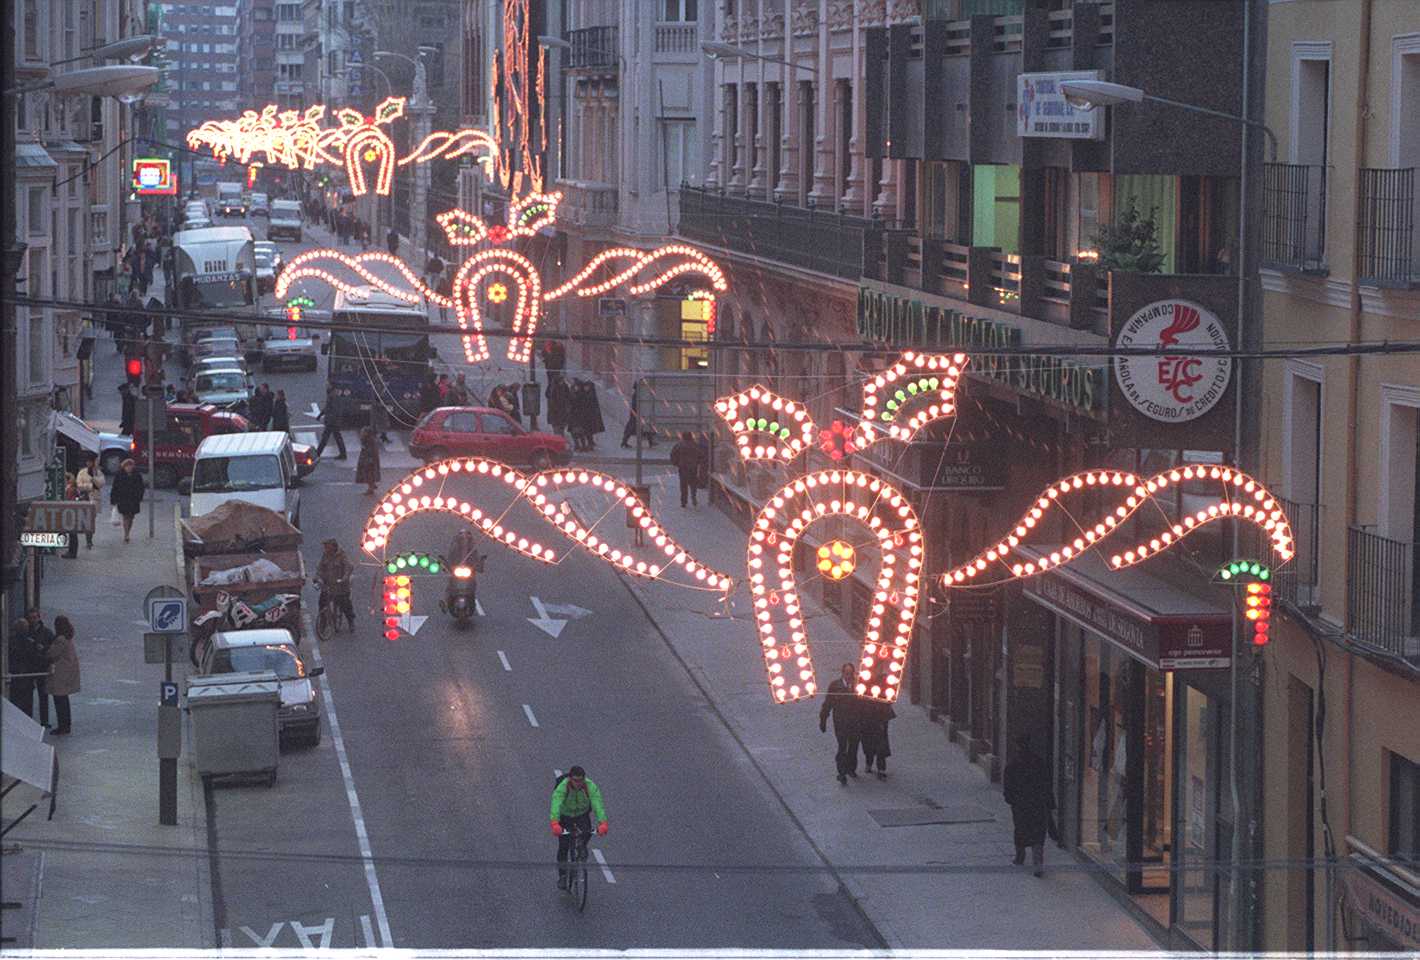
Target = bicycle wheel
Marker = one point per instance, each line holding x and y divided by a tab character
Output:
325	623
579	888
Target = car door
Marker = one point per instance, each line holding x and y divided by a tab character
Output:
502	438
460	433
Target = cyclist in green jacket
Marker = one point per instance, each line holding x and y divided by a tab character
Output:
574	800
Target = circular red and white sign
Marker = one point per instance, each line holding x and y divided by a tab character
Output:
1173	389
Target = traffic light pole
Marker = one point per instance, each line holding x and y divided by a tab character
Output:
152	470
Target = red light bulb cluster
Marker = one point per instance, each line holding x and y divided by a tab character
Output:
398	594
1259	611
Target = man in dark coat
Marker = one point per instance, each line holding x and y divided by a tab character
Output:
559	403
330	416
429	398
876	714
130	409
846	709
1028	790
280	413
685	457
261	406
392	238
25	658
42	638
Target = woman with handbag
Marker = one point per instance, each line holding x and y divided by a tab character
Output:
90	481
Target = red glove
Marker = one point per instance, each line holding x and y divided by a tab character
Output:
602	828
556	829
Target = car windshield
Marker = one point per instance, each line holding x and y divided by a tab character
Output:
226	474
221	381
289	210
220	293
264	258
218	347
216	333
276	658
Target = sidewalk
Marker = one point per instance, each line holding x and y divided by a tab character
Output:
926	853
104	860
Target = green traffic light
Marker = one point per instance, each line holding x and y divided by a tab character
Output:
390	567
424	561
1256	569
1265	574
401	562
1225	573
433	568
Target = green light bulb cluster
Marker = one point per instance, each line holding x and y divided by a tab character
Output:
413	563
770	426
1240	568
920	386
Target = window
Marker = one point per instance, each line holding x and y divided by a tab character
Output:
71	224
1404	810
680	11
37	217
32	29
37	349
493	423
680	153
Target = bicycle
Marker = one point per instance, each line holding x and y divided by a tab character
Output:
329	614
576	867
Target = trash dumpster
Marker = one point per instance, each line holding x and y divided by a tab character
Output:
234	728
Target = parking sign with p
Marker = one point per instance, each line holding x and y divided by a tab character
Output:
168	615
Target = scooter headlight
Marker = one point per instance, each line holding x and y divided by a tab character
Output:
463	572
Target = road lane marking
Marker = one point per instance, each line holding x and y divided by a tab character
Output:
601	861
367	930
372	880
528	711
478	605
503	658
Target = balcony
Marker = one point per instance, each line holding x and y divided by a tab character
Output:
677	38
1294	217
1296	583
594	49
1385	231
1381	595
586	204
827	243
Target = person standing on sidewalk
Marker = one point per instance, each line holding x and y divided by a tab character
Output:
41	639
367	468
685	457
90	481
25	662
260	406
847	722
876	716
1028	790
63	659
126	494
280	413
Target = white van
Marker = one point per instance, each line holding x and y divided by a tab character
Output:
259	468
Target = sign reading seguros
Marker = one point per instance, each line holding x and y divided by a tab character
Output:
1173	389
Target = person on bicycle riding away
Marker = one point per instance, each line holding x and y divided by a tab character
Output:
574	800
333	574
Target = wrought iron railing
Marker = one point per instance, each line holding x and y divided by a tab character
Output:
592	48
1296	583
1294	216
829	243
1381	594
1385	232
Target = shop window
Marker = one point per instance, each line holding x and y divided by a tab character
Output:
1208	224
1103	809
1404	810
996	206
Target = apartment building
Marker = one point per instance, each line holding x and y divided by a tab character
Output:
913	176
1341	679
256	53
201	65
289	85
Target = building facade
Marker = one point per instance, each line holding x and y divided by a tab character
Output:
290	89
1341	679
200	70
256	53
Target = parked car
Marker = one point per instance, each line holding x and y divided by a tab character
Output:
285	220
259	205
216	347
256	651
485	432
79	439
227	387
196	223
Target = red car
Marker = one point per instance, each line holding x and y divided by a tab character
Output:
485	432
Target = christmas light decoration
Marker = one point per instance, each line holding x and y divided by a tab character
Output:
518	114
836	560
1236	496
1259	611
398	599
413	563
837	441
1237	569
495	272
916	390
757	415
423	491
886	514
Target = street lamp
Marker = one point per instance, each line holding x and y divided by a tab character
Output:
423	112
726	51
134	48
97	81
1085	94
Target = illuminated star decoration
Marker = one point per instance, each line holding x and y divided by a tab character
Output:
497	273
298	140
426	490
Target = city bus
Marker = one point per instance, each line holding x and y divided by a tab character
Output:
376	370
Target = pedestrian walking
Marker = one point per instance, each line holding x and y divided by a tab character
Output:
130	409
367	468
559	403
63	680
429	398
25	664
843	704
585	419
280	414
262	403
876	714
41	639
331	430
90	481
1029	791
126	495
685	457
633	421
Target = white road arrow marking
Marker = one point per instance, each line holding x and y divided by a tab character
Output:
527	711
314	411
410	623
548	625
568	610
478	605
503	659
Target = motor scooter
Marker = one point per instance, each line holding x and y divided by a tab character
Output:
461	596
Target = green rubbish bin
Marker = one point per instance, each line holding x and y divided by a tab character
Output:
234	726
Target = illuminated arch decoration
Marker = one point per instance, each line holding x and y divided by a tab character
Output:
422	491
493	270
1234	495
298	140
884	512
765	425
518	114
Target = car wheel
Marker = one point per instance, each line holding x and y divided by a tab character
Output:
541	461
315	735
165	476
111	462
436	454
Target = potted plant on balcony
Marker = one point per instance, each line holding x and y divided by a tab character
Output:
1131	243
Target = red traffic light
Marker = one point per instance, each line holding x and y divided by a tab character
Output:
290	333
1259	611
133	367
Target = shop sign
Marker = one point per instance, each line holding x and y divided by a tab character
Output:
1173	389
61	516
1395	917
1043	111
889	319
44	539
1178	643
966	466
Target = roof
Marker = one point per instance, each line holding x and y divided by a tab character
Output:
212	235
243	444
370	298
252	638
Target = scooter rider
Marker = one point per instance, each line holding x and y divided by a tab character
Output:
462	553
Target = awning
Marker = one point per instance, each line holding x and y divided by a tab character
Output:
1167	624
76	430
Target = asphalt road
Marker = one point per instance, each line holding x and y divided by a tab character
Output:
425	822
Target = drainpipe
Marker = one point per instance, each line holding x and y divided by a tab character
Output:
1362	113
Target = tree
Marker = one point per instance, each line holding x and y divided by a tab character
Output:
1131	243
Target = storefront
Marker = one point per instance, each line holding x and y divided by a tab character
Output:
1382	903
1141	738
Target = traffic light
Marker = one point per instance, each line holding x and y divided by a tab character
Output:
293	317
1230	572
398	597
410	563
133	367
1259	611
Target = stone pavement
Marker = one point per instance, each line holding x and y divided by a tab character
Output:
944	883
